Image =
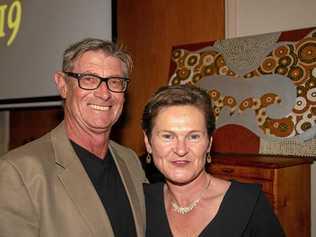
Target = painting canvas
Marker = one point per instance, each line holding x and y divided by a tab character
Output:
263	89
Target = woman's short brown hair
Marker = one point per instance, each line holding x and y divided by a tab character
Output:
178	95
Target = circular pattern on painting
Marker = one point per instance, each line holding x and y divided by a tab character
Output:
176	81
296	74
261	117
196	78
217	111
281	70
207	59
281	51
268	65
245	104
307	52
192	60
249	75
314	72
311	83
301	105
311	96
220	62
301	91
183	73
231	73
268	99
223	70
214	94
285	61
230	101
177	53
304	124
209	70
282	127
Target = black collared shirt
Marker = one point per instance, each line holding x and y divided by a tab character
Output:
108	184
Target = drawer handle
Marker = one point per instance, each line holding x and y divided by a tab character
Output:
227	170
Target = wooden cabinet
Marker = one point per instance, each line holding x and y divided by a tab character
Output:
285	181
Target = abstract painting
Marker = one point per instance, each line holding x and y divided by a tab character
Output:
263	89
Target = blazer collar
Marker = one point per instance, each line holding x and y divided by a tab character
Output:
77	184
130	189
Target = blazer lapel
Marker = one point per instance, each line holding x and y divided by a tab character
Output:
78	185
130	190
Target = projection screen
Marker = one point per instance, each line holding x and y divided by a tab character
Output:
33	36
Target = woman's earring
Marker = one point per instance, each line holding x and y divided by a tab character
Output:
148	158
208	158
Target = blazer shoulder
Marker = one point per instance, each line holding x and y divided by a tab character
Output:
118	146
129	157
32	150
36	156
121	151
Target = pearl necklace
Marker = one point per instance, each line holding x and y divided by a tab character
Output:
191	206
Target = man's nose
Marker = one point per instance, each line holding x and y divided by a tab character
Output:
103	90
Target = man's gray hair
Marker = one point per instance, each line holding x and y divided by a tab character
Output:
91	44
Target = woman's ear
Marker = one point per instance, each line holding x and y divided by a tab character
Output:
61	84
147	143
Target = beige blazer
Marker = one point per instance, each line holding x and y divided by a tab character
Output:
45	191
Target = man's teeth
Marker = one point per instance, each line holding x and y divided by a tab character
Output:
103	108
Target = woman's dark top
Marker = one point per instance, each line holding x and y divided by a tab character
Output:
244	212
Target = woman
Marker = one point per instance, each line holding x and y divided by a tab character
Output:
178	123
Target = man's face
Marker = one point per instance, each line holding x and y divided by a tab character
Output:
96	110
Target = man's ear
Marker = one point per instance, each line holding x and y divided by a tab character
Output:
61	84
147	143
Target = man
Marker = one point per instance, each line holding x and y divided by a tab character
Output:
74	181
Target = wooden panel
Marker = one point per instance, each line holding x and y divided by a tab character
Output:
266	186
239	171
260	161
29	124
292	187
149	29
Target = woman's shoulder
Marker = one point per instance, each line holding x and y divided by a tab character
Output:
236	194
154	200
239	188
243	198
243	195
222	187
254	205
237	206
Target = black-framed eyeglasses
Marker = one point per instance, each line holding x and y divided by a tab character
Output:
92	82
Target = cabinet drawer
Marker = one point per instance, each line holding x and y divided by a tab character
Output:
266	185
241	171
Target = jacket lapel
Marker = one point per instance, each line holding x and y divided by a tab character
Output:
130	190
78	185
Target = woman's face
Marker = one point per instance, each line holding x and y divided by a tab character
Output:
179	143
